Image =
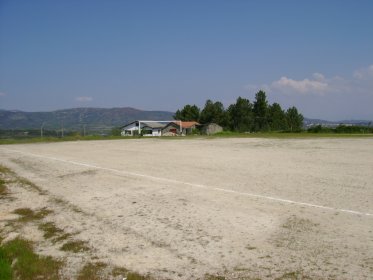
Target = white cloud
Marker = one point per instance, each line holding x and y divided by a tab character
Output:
360	83
364	73
84	98
302	86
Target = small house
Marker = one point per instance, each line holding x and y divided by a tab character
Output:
130	129
179	127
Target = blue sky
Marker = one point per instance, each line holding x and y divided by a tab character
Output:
161	55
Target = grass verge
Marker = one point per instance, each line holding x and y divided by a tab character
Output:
18	261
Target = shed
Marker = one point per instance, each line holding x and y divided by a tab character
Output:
211	128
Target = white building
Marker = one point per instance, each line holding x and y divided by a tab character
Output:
130	129
145	128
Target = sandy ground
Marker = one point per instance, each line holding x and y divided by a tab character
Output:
181	209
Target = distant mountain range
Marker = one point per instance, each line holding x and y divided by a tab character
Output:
312	122
102	120
92	119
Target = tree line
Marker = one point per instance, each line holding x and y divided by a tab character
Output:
244	116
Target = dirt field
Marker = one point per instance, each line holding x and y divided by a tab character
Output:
182	209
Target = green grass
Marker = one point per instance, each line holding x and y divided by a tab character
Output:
62	237
5	170
286	135
224	134
92	271
28	215
27	265
95	271
214	277
5	265
3	188
9	141
50	230
75	246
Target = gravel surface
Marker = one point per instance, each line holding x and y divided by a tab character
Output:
182	209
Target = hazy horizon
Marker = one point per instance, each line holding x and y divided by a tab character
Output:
162	55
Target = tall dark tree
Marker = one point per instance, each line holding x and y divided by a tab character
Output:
213	112
241	115
188	113
277	118
294	120
260	111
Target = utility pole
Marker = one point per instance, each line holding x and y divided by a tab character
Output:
84	130
41	130
62	128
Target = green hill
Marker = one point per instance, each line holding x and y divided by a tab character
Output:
93	119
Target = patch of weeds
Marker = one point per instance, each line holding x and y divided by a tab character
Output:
31	185
3	188
92	271
50	230
294	275
26	264
62	237
28	215
5	170
214	277
119	271
136	276
74	208
75	246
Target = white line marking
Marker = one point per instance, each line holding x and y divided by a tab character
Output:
193	184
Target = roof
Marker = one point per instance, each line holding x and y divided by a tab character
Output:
153	125
186	124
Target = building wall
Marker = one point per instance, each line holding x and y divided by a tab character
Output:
132	128
211	128
152	132
171	128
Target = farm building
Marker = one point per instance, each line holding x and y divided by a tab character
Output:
158	128
148	128
179	127
152	129
211	128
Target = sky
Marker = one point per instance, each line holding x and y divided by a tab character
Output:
163	54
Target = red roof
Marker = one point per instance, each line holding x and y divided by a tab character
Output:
186	124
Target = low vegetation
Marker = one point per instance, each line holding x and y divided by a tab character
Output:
75	246
3	188
50	230
341	129
18	261
27	215
92	271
